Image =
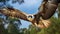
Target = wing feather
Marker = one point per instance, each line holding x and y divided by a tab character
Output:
47	10
14	13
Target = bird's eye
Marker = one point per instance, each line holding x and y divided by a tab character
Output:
29	16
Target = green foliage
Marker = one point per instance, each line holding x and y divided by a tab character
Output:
53	29
12	27
2	29
59	10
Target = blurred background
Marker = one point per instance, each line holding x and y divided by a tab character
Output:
9	25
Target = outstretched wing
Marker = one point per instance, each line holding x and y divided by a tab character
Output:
14	13
47	9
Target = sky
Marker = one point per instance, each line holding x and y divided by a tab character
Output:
30	7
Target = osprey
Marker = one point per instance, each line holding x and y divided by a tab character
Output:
41	19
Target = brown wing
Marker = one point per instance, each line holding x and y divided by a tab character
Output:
47	9
14	13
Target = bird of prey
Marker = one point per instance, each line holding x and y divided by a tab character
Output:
41	19
12	12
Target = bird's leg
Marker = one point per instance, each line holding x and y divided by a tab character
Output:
36	18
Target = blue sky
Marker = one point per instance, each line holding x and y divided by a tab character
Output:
30	7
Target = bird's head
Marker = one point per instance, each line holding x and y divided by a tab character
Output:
30	17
